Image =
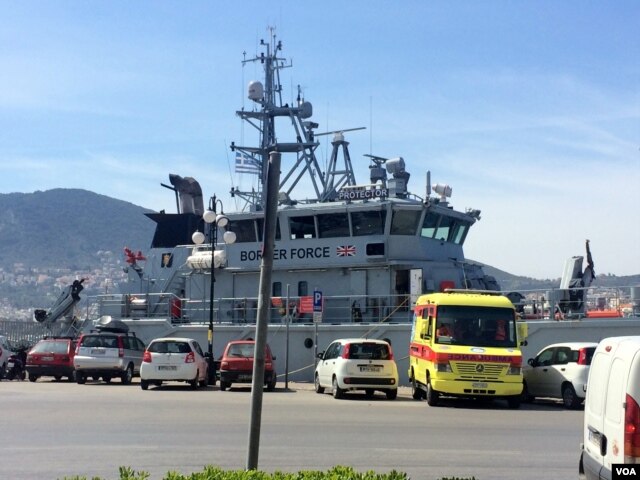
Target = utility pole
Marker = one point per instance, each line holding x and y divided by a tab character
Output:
264	302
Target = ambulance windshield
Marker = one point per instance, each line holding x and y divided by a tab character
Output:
476	326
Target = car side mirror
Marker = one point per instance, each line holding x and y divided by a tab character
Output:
532	362
320	355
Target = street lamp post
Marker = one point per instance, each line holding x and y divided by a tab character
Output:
214	220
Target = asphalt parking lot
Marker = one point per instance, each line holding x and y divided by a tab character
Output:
56	429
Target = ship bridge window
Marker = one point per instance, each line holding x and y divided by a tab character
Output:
333	225
260	224
302	227
245	230
368	222
405	222
444	228
429	225
459	232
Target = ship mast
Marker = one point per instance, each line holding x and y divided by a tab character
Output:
268	99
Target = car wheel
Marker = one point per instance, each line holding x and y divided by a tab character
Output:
392	394
316	384
337	391
569	397
127	376
416	392
526	396
144	385
368	392
32	377
203	383
3	371
58	377
433	397
271	386
194	383
514	402
80	379
224	385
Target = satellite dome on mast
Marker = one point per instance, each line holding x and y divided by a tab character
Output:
256	90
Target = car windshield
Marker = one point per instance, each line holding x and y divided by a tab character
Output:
476	326
241	350
51	347
366	351
169	347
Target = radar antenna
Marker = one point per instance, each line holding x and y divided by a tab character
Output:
336	179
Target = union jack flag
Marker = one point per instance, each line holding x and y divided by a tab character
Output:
346	251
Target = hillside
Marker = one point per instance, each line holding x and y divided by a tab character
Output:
66	228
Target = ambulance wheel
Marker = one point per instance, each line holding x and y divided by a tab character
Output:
514	402
433	397
416	392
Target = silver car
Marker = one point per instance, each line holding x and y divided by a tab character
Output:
559	371
108	355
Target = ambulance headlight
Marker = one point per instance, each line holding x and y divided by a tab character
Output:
513	370
444	367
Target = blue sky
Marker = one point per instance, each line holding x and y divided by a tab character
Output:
529	110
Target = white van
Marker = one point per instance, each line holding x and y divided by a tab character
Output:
612	408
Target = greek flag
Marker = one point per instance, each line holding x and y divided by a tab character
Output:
246	164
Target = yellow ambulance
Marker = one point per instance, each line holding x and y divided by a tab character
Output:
467	344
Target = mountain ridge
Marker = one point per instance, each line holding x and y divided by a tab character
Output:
48	238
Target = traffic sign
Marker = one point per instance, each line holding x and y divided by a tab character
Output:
317	301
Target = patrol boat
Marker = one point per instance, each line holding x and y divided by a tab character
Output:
370	248
350	258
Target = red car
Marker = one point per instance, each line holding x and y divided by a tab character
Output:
53	357
236	365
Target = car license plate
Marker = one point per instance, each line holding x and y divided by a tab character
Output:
47	359
369	368
167	367
9	364
479	384
244	378
97	351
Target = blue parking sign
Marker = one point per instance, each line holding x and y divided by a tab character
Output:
317	301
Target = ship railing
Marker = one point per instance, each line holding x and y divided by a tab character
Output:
577	302
535	304
336	309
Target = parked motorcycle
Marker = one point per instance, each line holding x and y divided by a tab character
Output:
16	365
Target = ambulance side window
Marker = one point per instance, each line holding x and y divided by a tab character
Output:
429	323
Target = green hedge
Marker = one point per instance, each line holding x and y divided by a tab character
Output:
216	473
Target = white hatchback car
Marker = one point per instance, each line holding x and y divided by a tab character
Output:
560	371
357	364
173	359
